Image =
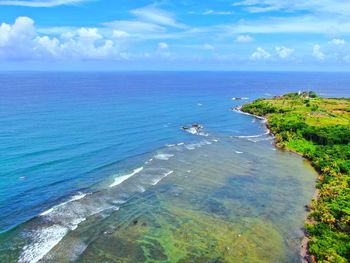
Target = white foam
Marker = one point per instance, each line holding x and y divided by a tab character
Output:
77	197
196	132
253	136
75	222
239	110
260	139
46	239
243	98
193	146
163	156
157	180
192	130
250	136
149	161
62	218
168	173
46	212
72	199
141	188
67	216
238	152
118	180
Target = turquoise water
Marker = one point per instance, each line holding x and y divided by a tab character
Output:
96	168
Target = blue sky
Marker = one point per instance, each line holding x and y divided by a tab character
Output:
175	35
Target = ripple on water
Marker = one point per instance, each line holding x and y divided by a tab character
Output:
201	201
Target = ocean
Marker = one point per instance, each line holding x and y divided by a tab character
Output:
95	167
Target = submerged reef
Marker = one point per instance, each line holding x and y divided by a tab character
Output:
176	233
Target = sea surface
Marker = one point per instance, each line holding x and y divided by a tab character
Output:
94	167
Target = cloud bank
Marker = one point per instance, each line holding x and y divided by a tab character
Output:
151	32
21	41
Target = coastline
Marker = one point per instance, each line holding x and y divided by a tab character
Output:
305	256
266	122
317	129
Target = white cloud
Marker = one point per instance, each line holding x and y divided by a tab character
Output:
284	52
244	39
281	53
260	54
66	35
213	12
135	26
163	50
317	52
88	43
22	29
163	46
154	23
338	42
296	24
157	16
205	46
89	34
17	40
46	45
208	47
150	22
312	6
21	40
120	34
40	3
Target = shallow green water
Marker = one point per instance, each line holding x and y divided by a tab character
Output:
222	200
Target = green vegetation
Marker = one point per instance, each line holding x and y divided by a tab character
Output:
319	129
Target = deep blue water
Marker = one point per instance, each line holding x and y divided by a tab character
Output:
61	133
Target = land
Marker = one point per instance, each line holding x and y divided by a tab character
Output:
318	129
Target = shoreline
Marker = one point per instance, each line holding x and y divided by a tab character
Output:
305	256
318	129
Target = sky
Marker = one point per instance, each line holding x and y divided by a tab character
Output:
266	35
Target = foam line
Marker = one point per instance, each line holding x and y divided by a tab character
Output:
118	180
